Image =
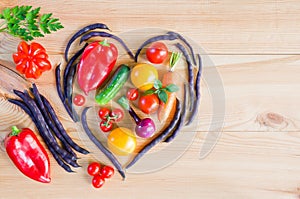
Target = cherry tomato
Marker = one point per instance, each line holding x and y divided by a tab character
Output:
106	126
143	76
121	141
94	168
157	52
117	115
79	100
132	94
104	113
107	171
98	181
149	103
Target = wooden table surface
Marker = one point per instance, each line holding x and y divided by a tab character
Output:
255	47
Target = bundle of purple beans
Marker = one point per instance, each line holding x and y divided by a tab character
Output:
49	127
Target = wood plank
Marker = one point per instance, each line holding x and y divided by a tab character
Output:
243	165
255	48
230	27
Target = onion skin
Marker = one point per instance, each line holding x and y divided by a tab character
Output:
145	128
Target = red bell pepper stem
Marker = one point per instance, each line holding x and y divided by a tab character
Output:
15	131
104	43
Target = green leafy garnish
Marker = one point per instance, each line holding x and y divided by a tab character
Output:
157	84
163	96
161	91
149	92
26	23
172	88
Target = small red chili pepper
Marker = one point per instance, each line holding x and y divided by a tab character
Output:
31	60
28	155
97	61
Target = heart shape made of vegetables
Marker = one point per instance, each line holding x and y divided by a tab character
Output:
173	78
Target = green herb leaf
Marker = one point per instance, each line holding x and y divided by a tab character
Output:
15	10
149	92
44	28
6	13
163	96
45	17
157	84
37	34
52	21
13	21
32	27
34	13
26	8
24	22
172	88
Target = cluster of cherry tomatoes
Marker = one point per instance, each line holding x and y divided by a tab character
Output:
99	174
108	117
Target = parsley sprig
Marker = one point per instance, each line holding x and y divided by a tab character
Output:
27	23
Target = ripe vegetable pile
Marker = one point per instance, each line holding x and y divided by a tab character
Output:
135	87
121	88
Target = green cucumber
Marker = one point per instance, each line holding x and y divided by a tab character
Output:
113	86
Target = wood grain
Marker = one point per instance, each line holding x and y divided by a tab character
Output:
243	165
255	48
230	27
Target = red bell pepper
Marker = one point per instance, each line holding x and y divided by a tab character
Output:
31	60
97	61
28	155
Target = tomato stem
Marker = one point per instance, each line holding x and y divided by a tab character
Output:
106	123
15	131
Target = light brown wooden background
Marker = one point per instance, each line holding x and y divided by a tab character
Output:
255	46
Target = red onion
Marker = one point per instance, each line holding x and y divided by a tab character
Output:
145	128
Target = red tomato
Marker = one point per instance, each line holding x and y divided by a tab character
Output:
157	52
149	103
106	126
104	113
94	168
107	171
96	63
132	94
117	115
98	181
31	59
79	100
